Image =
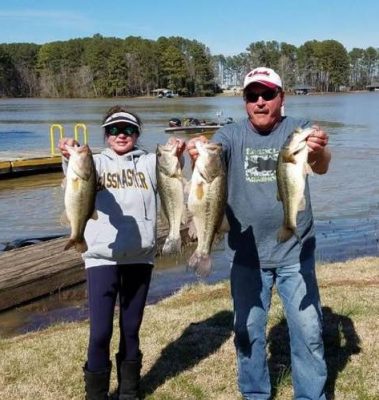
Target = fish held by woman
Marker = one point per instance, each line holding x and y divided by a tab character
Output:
80	194
291	172
171	193
206	202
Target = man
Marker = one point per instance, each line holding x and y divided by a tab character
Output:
258	260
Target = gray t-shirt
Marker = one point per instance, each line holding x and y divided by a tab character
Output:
253	210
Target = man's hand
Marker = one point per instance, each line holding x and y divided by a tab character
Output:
191	147
319	155
317	140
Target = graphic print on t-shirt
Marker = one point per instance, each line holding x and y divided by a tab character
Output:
260	165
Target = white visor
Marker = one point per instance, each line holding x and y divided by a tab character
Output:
121	117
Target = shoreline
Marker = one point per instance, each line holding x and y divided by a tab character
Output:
147	97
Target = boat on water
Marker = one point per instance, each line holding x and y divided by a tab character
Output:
194	126
193	129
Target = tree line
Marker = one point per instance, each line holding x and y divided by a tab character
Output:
325	65
105	67
110	67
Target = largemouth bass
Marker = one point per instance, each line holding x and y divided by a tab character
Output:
206	202
291	171
80	194
171	193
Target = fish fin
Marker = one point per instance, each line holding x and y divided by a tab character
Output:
219	236
302	204
199	191
80	245
284	233
172	245
201	264
75	184
224	225
192	232
308	169
184	218
82	173
64	219
289	158
64	183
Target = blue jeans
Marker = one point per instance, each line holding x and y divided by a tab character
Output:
297	287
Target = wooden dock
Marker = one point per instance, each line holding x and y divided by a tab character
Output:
29	164
40	269
14	164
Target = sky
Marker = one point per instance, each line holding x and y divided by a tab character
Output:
226	27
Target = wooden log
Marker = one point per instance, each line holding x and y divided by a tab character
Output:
30	272
33	271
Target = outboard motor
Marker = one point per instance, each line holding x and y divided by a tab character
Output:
174	122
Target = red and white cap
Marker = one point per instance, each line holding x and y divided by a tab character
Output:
264	76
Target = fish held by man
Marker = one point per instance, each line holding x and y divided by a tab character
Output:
171	192
80	194
206	202
291	171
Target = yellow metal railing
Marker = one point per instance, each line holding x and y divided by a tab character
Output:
83	128
53	128
78	128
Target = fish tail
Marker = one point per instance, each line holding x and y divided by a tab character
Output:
172	245
285	233
201	264
80	245
69	244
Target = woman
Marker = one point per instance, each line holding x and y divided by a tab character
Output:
120	255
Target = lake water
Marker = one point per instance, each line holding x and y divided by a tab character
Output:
348	194
345	201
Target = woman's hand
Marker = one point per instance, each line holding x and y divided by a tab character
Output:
180	143
62	145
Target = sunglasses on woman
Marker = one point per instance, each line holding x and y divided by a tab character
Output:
252	97
127	130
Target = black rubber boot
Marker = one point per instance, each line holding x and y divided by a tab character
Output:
97	383
130	374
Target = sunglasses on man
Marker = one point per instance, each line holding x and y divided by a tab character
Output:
127	130
252	97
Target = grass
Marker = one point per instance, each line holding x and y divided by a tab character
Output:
187	342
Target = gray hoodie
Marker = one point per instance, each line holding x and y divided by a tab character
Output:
125	231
